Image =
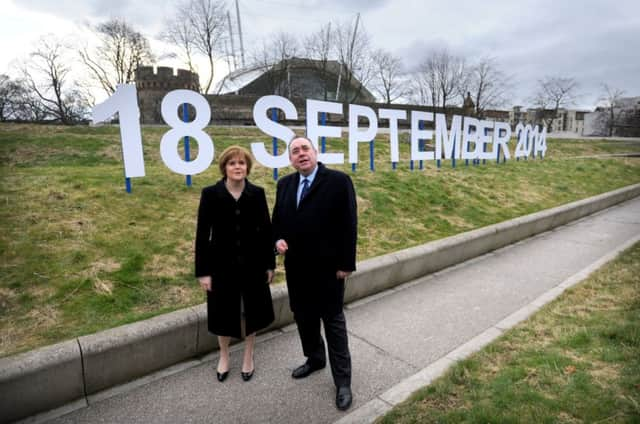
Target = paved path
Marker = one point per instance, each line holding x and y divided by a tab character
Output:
395	337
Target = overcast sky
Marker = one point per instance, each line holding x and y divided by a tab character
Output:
593	41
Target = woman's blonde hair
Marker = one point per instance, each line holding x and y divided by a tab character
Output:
232	152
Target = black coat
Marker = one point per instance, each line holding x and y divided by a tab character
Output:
234	246
321	234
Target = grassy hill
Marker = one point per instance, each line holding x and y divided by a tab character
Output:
79	254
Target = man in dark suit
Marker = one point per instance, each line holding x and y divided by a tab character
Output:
315	227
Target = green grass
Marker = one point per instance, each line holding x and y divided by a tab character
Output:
79	254
577	360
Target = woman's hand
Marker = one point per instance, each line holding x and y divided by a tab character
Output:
205	282
269	276
341	275
282	247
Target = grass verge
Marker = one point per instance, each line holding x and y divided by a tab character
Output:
79	254
576	360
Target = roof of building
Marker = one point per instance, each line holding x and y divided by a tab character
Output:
236	80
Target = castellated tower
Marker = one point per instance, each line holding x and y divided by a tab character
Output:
153	86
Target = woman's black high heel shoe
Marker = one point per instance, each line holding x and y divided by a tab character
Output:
223	375
246	376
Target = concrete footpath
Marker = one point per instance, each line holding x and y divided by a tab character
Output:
400	339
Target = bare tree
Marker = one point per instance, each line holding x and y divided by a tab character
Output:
425	87
488	85
9	95
180	33
206	32
285	46
610	98
46	75
450	74
17	102
552	94
352	48
318	48
440	77
273	58
389	83
120	51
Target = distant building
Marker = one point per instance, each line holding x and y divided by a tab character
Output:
297	77
566	120
300	79
468	106
152	86
625	123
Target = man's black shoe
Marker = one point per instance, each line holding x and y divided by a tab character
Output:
343	398
305	369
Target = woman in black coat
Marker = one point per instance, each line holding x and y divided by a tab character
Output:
234	257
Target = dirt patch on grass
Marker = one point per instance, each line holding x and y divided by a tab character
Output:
103	286
363	204
605	374
179	295
96	269
456	221
452	401
7	297
44	316
164	266
105	265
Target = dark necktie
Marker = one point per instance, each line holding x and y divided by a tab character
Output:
305	189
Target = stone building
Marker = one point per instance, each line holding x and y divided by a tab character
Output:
152	86
622	121
298	80
566	120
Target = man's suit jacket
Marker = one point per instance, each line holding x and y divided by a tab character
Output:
321	233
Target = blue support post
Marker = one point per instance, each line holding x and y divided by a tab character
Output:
323	122
353	167
394	165
274	118
484	148
127	184
421	144
372	166
453	155
187	153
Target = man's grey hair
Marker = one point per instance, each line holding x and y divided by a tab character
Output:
303	138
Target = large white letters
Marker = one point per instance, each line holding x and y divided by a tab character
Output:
466	138
417	134
393	115
501	136
273	129
451	142
315	131
355	134
124	102
484	129
469	136
179	129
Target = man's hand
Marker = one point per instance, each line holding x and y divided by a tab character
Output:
282	247
205	282
341	275
269	276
